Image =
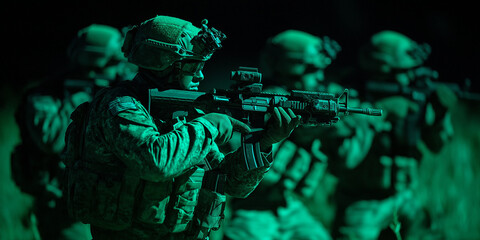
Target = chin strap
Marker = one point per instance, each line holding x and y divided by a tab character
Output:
177	72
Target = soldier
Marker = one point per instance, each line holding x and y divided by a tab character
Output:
137	176
290	60
43	116
376	198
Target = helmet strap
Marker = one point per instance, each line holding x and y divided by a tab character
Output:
177	70
177	73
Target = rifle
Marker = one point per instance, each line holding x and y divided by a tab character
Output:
246	102
424	85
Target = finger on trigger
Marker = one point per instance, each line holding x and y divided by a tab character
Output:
239	125
298	120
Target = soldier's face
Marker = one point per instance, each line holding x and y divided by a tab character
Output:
190	82
401	77
191	75
308	81
312	80
314	63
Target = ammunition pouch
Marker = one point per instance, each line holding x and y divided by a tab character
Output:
211	205
101	197
184	197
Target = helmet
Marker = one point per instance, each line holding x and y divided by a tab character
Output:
161	41
297	59
95	46
291	52
388	51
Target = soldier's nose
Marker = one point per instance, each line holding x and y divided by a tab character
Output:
320	76
198	76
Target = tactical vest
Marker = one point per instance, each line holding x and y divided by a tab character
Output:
111	198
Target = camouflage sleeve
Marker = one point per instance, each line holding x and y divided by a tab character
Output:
47	119
240	182
132	135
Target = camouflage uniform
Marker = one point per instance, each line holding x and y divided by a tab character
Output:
129	156
139	174
43	117
276	210
378	193
36	164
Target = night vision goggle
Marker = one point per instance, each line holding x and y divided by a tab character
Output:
330	47
419	51
205	43
208	40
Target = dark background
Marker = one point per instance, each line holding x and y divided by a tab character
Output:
35	35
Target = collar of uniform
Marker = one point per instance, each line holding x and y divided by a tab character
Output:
145	79
149	80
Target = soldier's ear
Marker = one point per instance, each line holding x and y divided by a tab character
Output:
177	66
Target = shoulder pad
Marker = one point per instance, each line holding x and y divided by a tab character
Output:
121	104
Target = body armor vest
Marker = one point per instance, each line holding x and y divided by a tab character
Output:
110	197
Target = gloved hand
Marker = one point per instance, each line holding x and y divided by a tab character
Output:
279	126
225	125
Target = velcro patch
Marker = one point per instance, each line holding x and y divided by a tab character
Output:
121	104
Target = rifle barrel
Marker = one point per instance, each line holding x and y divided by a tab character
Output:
366	111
